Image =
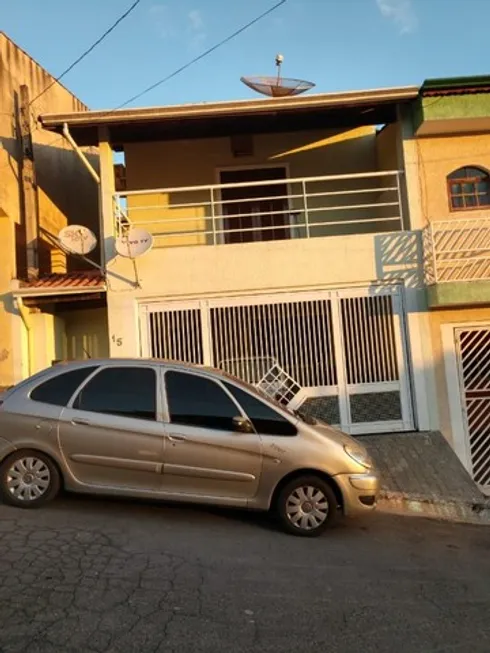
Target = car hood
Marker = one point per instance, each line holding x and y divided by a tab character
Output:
338	436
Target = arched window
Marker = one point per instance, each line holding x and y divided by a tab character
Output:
468	188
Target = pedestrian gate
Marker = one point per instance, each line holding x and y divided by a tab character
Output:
340	355
473	345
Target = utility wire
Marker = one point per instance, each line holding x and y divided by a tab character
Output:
201	56
89	50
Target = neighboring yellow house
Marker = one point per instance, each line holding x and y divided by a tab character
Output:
451	202
62	193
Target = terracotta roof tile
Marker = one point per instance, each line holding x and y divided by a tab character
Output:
89	280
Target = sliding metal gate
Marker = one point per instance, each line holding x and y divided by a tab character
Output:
340	355
473	345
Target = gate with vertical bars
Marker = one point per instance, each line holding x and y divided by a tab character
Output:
473	345
337	355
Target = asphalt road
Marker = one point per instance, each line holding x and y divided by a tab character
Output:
91	575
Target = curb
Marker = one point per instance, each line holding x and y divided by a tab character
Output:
477	512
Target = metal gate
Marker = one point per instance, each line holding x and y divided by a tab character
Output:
339	355
473	345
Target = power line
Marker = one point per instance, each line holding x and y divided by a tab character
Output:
89	50
201	56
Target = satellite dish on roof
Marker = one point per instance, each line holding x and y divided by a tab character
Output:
277	86
134	243
77	239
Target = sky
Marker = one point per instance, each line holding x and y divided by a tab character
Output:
337	44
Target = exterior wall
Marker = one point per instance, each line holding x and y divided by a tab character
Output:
65	191
195	162
85	334
437	320
438	157
47	340
174	164
185	273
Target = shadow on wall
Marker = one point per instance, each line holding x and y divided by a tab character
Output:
66	194
400	257
348	151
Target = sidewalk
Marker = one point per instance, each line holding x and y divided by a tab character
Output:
421	475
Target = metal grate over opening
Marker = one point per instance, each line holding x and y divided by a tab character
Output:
474	348
296	336
369	339
176	335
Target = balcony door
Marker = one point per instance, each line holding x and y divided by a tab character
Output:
255	213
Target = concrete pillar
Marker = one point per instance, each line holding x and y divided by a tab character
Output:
106	197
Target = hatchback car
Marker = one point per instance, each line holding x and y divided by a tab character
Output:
145	428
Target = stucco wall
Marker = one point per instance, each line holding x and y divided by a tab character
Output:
437	320
66	192
85	334
184	163
438	157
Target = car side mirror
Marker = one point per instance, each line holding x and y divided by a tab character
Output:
242	425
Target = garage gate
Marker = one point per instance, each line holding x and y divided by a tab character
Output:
339	355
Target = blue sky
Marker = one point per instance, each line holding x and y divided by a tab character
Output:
338	44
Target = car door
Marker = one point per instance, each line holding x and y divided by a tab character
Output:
111	433
204	456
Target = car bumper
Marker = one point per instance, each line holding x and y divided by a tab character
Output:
359	492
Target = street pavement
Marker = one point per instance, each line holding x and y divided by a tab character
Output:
96	575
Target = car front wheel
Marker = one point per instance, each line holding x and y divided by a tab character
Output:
306	506
28	479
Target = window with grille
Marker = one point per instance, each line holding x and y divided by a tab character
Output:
468	188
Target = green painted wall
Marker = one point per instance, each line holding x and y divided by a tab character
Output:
459	293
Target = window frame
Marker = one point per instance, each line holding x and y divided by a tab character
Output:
158	391
274	408
46	378
485	177
213	379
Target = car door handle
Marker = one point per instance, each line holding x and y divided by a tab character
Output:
80	421
176	438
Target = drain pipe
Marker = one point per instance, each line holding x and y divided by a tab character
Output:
24	314
81	155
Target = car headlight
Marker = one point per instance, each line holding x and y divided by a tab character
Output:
359	456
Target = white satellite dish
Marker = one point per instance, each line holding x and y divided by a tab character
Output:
134	243
77	239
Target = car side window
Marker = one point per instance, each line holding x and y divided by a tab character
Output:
122	391
196	401
59	389
265	419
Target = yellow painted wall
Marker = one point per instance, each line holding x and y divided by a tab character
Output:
174	164
437	319
86	334
439	156
66	192
47	340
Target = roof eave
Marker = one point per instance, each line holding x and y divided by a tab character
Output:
47	292
241	107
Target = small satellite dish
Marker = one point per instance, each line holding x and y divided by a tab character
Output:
277	86
134	243
77	239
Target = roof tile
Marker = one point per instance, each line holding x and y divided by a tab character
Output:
88	279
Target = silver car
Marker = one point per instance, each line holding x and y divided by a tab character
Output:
145	428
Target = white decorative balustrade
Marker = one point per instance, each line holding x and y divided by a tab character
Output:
457	250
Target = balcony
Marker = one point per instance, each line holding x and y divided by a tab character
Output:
266	210
457	262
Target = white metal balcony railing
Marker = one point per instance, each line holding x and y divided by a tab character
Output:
457	250
276	209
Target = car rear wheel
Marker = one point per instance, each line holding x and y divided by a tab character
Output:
306	506
28	479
